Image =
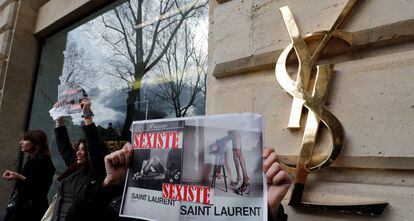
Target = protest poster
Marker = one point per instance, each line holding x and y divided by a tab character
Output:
70	97
203	168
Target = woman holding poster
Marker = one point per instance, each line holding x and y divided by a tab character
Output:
80	194
279	181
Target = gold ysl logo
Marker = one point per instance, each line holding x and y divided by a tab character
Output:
314	101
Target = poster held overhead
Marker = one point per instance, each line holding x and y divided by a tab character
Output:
70	97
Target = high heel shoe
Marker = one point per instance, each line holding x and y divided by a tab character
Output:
235	183
244	190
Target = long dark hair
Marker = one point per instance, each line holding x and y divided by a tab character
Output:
74	167
85	148
77	144
39	141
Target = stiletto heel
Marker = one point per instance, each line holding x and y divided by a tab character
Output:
235	183
244	190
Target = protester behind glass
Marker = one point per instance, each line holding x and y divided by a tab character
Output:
29	198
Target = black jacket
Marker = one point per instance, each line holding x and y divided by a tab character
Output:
281	215
32	192
90	200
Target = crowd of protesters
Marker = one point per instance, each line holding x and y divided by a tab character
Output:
93	177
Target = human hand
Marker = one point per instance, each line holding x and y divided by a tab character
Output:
56	104
116	165
278	179
59	121
86	105
10	175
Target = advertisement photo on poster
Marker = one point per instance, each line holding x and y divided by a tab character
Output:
202	168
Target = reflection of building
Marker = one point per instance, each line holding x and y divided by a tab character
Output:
371	92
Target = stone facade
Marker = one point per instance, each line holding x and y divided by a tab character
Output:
371	94
8	157
7	17
18	58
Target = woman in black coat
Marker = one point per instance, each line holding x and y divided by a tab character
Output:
80	194
29	198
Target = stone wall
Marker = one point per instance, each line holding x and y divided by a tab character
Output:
371	94
8	158
8	11
18	57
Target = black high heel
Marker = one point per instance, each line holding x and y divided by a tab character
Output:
244	190
235	183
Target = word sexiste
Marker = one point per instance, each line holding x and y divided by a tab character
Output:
195	194
161	140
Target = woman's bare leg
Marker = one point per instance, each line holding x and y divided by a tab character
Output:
243	166
236	164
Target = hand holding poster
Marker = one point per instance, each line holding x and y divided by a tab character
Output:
204	168
69	97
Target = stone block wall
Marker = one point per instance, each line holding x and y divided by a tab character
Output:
24	24
8	11
371	93
18	57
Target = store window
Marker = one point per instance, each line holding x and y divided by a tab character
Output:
136	60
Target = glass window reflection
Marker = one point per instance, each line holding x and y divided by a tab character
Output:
136	59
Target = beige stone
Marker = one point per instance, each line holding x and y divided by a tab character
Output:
2	73
258	24
54	10
371	94
5	39
17	88
399	198
367	176
371	97
56	14
3	3
6	16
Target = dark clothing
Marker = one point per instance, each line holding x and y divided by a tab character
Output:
67	191
32	192
80	195
281	215
174	160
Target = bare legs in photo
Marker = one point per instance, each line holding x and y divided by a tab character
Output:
237	165
239	162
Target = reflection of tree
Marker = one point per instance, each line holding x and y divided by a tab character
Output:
180	77
46	97
137	50
76	66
